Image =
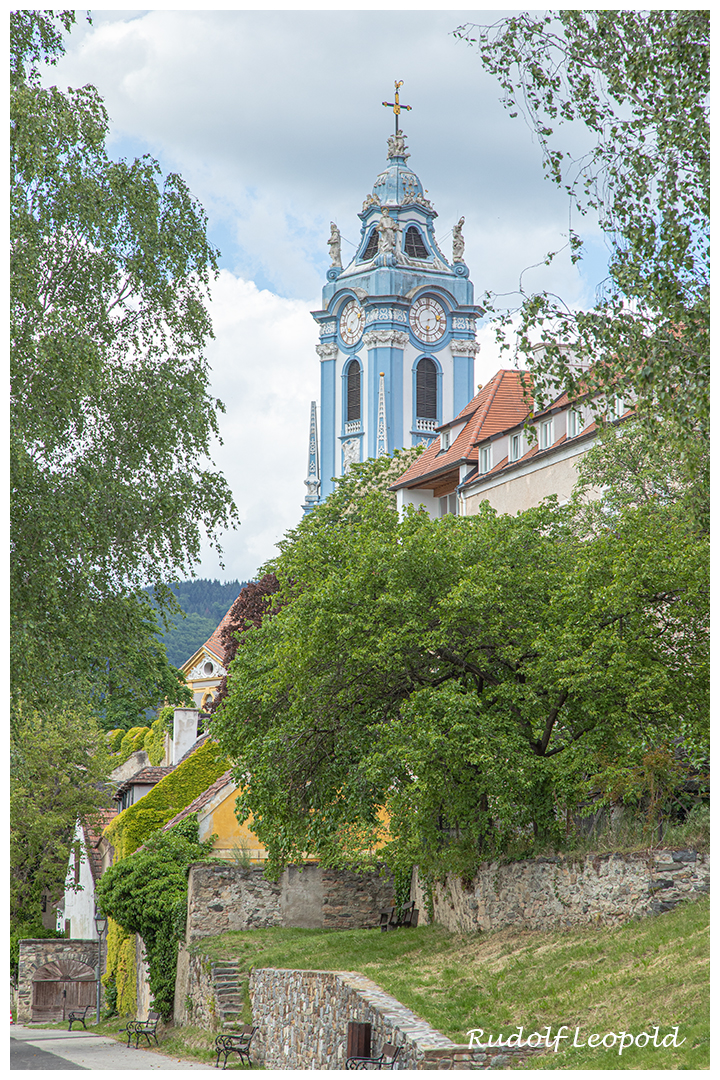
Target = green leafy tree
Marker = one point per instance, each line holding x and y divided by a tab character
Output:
112	417
636	85
470	676
146	894
58	765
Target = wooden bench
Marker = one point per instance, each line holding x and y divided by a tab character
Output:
236	1043
387	1059
387	919
408	916
79	1016
137	1028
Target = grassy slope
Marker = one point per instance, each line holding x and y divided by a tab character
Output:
629	978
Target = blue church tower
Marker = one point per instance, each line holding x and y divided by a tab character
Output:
397	330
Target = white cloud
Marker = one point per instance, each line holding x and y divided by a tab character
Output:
274	118
264	369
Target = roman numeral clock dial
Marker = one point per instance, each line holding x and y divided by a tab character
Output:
427	320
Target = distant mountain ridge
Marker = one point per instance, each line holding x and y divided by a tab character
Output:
205	602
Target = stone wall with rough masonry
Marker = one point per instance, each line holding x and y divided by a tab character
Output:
195	1000
303	1016
34	953
224	897
567	891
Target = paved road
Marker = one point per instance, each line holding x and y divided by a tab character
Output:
51	1048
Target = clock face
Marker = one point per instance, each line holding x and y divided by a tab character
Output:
352	323
427	319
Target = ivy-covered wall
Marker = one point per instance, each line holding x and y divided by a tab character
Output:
120	978
130	829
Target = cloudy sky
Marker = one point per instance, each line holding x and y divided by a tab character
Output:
275	120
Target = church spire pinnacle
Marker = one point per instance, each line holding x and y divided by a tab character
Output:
382	442
312	483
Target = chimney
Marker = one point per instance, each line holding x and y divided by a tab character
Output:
185	726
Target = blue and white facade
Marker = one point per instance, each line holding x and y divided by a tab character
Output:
397	332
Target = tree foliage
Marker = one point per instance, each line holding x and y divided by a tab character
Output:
636	83
469	676
111	414
146	894
250	608
58	765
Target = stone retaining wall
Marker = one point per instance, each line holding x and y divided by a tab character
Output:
302	1019
195	1001
224	897
562	891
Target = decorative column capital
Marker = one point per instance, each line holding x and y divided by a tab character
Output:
326	350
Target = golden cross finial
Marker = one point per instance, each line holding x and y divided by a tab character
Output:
396	106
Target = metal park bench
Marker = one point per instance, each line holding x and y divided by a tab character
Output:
236	1043
79	1016
137	1028
387	1059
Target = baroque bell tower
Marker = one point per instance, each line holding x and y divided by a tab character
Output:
397	329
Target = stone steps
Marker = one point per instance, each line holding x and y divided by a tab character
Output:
227	979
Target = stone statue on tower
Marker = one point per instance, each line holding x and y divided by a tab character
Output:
458	241
334	245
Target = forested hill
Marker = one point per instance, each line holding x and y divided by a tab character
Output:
204	602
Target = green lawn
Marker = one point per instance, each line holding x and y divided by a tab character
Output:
632	978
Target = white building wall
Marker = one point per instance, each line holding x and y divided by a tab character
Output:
79	906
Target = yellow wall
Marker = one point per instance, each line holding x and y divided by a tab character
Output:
233	839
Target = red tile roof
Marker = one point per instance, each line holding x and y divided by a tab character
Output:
93	836
214	643
498	405
151	774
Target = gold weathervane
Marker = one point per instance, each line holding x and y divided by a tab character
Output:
396	106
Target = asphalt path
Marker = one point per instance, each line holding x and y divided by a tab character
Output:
52	1048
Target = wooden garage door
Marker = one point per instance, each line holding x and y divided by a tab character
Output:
60	987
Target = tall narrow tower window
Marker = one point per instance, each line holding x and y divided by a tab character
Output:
426	389
371	248
414	246
353	391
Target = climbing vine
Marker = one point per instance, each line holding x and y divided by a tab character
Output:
146	894
120	978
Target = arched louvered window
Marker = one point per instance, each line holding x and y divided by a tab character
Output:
353	391
414	246
426	389
371	248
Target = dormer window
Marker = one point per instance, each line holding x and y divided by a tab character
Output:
574	423
414	246
546	435
485	459
515	447
371	248
616	409
445	440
